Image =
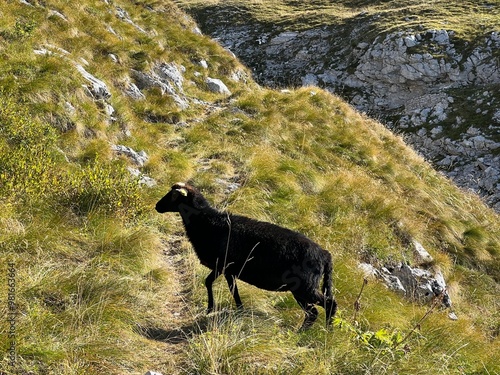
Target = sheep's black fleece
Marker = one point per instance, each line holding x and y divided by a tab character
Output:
260	253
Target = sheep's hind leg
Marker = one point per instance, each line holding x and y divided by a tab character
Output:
330	308
208	283
311	313
231	282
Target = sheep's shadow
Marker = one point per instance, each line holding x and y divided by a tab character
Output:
171	336
176	335
182	334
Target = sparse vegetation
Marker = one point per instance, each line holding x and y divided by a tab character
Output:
104	284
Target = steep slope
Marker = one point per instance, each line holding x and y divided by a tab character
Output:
427	70
103	105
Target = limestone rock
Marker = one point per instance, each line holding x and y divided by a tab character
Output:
411	79
139	158
165	76
143	179
415	284
421	255
55	13
217	86
124	16
230	186
97	88
171	73
133	91
369	271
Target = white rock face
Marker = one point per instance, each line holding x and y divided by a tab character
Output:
421	255
139	158
133	91
98	88
416	284
143	179
414	79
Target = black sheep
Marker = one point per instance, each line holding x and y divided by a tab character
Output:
262	254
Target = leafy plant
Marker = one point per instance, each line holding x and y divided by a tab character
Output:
107	188
27	154
22	29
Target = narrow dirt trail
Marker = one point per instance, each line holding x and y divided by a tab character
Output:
179	322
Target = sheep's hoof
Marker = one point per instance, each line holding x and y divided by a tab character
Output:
305	326
210	309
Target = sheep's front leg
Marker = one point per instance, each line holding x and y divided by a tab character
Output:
231	282
208	283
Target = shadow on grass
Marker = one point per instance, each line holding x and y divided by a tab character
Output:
176	335
197	326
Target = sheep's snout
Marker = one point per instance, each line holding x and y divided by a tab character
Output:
164	204
159	208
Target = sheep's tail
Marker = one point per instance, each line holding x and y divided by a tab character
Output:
330	304
327	280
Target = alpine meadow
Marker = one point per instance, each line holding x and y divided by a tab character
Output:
105	104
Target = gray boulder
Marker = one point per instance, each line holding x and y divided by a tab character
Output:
167	77
139	158
217	86
97	88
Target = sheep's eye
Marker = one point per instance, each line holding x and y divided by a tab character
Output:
175	195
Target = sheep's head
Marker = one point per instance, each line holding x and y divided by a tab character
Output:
180	197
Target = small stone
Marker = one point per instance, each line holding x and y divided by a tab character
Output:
217	86
139	158
203	64
422	256
452	316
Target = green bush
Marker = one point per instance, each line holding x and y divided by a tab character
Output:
102	187
27	154
32	169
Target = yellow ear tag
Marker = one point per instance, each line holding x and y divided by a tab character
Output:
183	191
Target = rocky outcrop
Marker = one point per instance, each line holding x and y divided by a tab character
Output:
167	77
428	84
420	282
138	158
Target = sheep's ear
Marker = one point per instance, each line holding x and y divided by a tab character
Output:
183	191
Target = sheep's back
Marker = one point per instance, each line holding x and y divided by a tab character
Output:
263	254
269	256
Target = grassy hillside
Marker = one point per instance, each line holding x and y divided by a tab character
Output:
102	283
